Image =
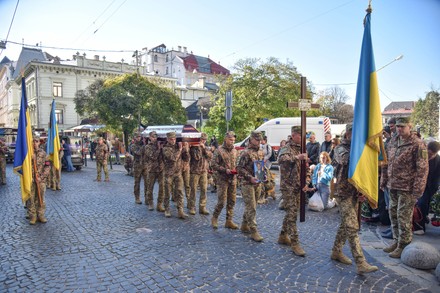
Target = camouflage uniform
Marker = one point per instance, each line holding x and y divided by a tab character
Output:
405	176
55	175
3	151
35	207
128	164
225	158
173	157
186	179
139	171
153	156
249	189
101	161
200	157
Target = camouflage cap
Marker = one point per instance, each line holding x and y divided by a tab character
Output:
35	136
230	133
257	135
402	121
296	129
348	127
171	134
204	136
153	134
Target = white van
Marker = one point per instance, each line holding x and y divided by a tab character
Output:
279	128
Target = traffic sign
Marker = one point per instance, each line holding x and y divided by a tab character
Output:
228	113
228	101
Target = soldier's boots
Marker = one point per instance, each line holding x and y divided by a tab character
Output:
284	239
151	207
245	228
42	219
214	222
256	237
160	208
339	256
192	211
138	201
33	220
231	225
391	247
365	267
181	214
396	253
167	213
297	250
203	211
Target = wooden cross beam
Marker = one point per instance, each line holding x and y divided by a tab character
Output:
304	105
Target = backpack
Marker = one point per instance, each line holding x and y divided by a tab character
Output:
273	156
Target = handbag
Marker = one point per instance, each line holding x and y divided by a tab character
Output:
417	218
315	202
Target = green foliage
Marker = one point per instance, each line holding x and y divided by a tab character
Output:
426	113
260	90
435	204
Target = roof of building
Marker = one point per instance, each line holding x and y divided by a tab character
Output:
406	105
5	60
27	55
203	65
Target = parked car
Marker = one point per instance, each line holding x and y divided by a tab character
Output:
11	152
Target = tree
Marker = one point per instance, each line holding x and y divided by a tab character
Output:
333	103
426	114
261	91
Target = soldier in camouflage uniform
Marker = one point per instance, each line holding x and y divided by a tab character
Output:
289	159
250	184
186	180
139	169
223	163
55	174
102	153
347	198
128	163
200	157
405	176
3	151
152	154
37	208
173	155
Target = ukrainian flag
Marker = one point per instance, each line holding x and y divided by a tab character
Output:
366	138
53	140
24	151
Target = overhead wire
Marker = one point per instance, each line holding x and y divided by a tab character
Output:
10	26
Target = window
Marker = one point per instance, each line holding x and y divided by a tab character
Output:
57	89
166	59
59	116
155	58
166	71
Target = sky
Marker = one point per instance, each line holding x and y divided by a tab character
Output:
321	38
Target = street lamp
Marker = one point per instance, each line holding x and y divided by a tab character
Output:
395	59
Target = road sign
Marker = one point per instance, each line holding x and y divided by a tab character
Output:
228	101
228	113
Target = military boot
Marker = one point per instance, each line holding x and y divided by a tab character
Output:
160	208
214	222
192	211
137	200
33	220
181	214
391	247
339	256
365	267
396	253
297	249
245	228
203	211
167	213
231	225
151	207
42	219
284	239
256	237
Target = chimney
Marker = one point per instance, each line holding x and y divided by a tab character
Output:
185	50
202	80
97	57
179	48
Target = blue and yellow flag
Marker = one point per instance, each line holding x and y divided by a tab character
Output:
23	149
53	140
366	140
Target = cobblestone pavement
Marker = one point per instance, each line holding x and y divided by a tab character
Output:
97	239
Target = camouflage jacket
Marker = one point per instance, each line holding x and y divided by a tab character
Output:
3	149
408	167
153	159
136	151
128	162
290	168
43	165
245	166
340	163
101	152
185	165
224	158
172	159
200	157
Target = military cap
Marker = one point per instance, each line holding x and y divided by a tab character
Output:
296	129
230	133
204	136
35	136
392	120
348	127
402	121
257	135
153	133
171	134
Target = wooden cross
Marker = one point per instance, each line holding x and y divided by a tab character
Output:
304	105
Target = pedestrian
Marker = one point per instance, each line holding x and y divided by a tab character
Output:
139	169
267	152
250	184
154	159
214	142
405	175
199	163
173	155
102	154
67	156
322	176
40	171
223	163
348	199
289	160
117	147
3	152
93	148
312	150
326	145
128	163
335	143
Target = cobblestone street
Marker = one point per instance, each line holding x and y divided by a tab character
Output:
97	239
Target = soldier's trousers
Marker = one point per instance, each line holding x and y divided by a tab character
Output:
349	226
186	183
197	180
249	193
3	170
401	214
174	184
55	177
291	205
139	172
101	165
226	192
154	177
35	207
